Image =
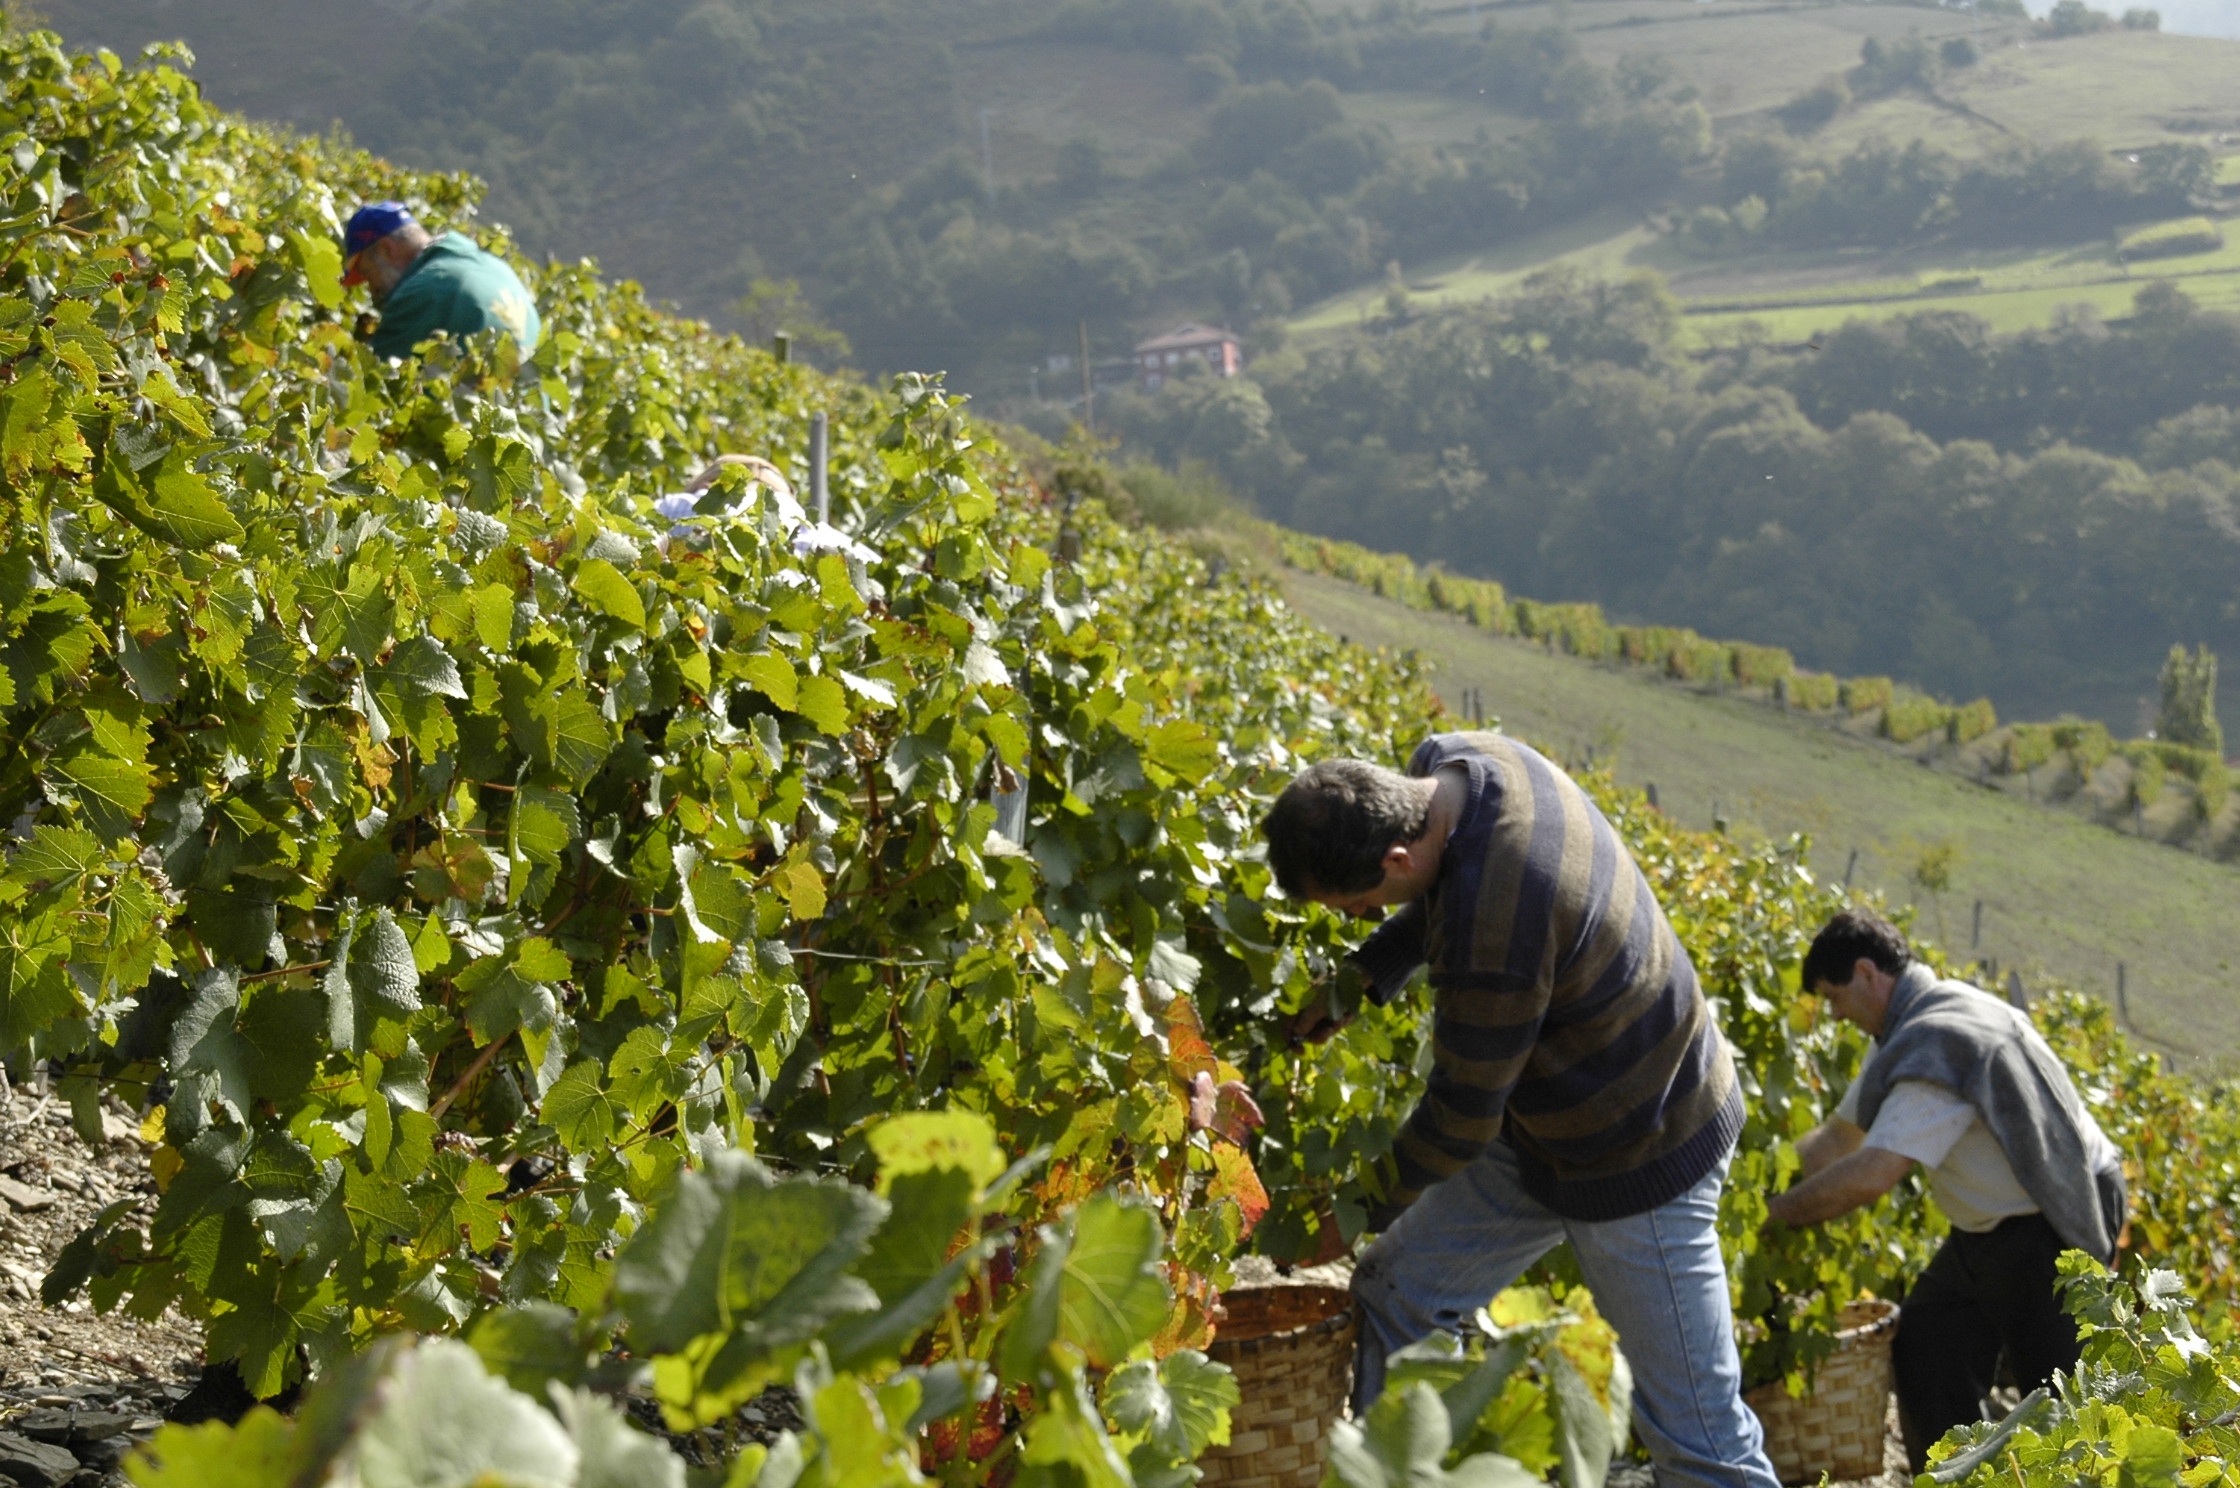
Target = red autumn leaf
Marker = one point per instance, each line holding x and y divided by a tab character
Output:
1235	1179
1188	1053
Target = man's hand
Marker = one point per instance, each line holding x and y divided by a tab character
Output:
1844	1185
1330	1007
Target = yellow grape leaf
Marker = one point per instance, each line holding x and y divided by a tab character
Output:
803	888
920	1141
257	1453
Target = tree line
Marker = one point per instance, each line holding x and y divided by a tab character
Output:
1284	196
2032	517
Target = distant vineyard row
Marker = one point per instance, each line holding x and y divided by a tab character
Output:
1896	712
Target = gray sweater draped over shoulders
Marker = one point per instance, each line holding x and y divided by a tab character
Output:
1950	1034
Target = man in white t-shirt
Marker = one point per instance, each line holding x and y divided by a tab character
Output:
1991	1288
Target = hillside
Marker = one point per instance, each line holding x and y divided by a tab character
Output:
2165	915
599	993
961	186
2125	90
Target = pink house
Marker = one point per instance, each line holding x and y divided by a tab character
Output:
1160	357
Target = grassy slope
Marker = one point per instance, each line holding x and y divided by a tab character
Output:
2060	894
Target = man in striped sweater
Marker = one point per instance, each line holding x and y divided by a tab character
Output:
1579	1089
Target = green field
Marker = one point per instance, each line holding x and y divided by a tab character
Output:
2125	89
2061	895
1787	296
2119	87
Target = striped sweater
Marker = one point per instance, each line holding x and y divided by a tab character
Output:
1568	1019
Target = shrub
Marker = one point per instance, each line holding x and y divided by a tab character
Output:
1971	721
2087	742
2172	239
1578	629
1958	51
2211	790
1706	662
2149	774
1816	105
1653	645
1815	690
1858	694
2026	746
2075	18
1910	715
1761	666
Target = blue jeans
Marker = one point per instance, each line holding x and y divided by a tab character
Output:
1657	1277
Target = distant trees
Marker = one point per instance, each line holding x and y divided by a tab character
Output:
1886	193
2189	701
1563	444
1282	198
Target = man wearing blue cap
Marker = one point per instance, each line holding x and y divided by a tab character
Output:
427	284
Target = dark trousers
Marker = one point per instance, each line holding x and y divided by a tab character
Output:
1981	1295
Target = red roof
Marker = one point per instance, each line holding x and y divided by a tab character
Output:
1184	337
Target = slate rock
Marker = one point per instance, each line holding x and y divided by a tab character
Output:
45	1423
35	1464
23	1196
104	1455
92	1426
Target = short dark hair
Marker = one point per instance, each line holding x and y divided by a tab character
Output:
1330	829
1843	941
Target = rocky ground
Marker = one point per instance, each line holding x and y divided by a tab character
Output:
77	1390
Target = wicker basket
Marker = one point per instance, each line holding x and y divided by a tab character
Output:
1291	1348
1839	1429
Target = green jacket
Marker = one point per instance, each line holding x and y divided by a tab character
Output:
454	286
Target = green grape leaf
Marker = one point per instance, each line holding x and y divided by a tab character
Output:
35	988
443	1419
74	1265
917	1262
1183	748
1180	1404
1404	1443
384	971
577	1108
927	1141
174	504
57	857
736	1265
607	591
774	676
207	1048
1115	1293
531	1347
2153	1457
511	990
112	791
1066	1444
824	703
257	1452
278	1029
542	825
611	1452
236	925
581	738
421	667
